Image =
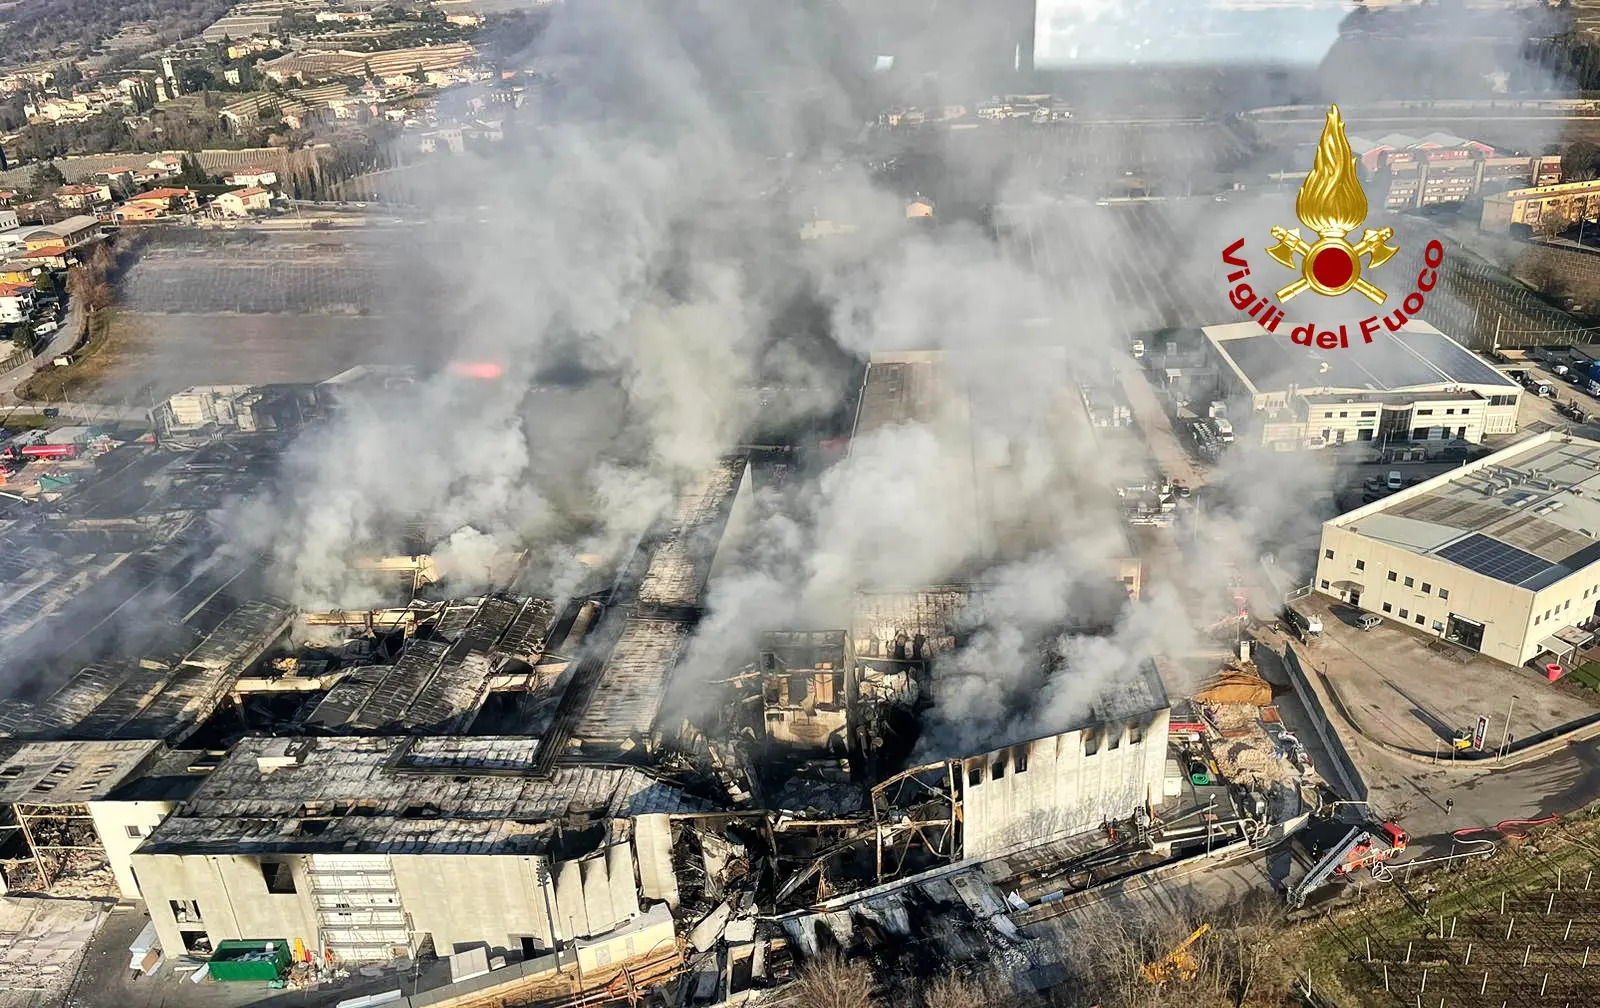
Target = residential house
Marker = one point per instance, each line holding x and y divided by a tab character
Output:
120	178
264	177
7	197
441	139
185	201
243	202
166	166
19	271
82	196
71	233
16	302
8	220
140	211
47	257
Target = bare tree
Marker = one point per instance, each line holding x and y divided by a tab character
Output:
828	981
984	989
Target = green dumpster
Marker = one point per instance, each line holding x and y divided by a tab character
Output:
251	959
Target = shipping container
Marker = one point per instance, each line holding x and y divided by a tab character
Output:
265	959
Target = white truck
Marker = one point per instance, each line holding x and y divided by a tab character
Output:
1308	626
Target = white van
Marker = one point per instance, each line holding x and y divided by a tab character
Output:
1395	481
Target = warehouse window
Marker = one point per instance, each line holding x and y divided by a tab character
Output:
1135	732
975	774
1091	741
1019	755
278	876
999	771
1465	411
1427	589
1344	414
1450	412
1369	413
1328	554
1393	576
1387	607
1424	412
1361	565
1410	582
1444	593
1419	619
1324	584
1404	614
1536	619
134	831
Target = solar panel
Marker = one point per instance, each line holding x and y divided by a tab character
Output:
1491	557
1457	363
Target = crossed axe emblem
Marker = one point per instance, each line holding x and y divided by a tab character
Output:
1332	265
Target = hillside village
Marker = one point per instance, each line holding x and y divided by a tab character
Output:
291	75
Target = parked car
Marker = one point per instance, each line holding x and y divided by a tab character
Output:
1368	621
1395	480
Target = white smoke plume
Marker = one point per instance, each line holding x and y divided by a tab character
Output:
629	264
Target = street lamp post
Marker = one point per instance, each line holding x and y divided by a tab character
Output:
1505	738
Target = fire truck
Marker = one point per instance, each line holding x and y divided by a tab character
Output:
1362	847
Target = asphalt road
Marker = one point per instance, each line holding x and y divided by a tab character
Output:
60	341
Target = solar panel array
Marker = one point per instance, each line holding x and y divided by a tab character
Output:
1491	557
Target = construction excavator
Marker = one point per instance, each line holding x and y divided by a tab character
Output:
1179	964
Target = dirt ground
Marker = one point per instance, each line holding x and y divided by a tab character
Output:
162	354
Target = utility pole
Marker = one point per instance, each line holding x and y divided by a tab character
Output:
549	911
1505	738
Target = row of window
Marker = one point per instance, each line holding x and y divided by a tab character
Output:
1410	582
1015	758
1365	414
1418	619
1560	607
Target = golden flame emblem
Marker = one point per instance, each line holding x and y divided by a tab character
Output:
1332	204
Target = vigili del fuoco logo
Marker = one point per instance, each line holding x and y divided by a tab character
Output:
1331	205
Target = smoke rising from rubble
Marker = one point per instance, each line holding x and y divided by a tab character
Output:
629	269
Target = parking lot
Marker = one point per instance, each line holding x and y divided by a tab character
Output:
1411	690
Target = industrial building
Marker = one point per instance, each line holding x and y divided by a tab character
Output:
369	848
1497	556
1097	768
1444	168
1541	209
72	812
512	774
1414	386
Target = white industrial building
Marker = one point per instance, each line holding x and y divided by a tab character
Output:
361	849
1413	386
1095	769
1499	555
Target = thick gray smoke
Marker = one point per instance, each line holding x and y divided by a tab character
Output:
628	264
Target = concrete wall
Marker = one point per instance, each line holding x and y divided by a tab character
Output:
1504	610
233	898
1344	768
458	899
112	820
1063	790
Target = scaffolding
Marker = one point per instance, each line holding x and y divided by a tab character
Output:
359	914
